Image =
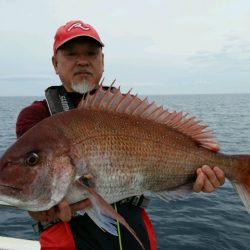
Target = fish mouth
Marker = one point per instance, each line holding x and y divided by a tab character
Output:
11	187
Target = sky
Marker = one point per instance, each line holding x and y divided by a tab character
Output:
152	46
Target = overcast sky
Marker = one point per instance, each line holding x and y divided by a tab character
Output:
154	46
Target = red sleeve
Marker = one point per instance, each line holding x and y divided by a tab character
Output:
30	116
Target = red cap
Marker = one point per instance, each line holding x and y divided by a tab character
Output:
72	30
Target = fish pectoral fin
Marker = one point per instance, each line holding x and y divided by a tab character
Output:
175	194
104	215
101	220
86	180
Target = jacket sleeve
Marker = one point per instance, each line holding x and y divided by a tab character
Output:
30	116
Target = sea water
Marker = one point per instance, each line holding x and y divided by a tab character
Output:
201	221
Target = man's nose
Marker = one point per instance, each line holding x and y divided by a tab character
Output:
82	60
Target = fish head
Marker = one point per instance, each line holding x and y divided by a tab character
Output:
36	171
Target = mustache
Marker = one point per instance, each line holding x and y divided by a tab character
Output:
83	71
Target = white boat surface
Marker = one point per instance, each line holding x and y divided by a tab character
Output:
9	243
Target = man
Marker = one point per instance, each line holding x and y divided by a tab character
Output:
79	62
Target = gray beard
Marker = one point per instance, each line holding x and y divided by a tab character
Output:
83	87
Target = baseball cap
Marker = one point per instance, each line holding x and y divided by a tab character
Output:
72	30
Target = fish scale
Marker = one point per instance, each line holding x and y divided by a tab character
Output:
145	149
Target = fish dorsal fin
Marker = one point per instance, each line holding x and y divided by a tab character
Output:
130	104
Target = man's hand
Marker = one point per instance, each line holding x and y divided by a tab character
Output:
62	211
208	179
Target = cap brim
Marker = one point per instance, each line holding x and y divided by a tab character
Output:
73	37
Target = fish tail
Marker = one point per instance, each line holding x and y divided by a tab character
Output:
241	180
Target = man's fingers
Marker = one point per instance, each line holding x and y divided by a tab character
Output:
208	179
199	183
208	186
202	183
64	211
80	205
220	175
211	180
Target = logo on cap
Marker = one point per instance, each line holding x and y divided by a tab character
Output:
77	25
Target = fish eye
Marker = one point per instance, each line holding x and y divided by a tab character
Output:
32	159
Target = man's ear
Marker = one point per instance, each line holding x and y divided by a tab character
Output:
54	62
103	61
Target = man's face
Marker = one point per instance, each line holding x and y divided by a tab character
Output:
79	64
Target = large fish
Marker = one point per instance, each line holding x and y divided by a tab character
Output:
111	147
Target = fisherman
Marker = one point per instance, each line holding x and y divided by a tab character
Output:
78	60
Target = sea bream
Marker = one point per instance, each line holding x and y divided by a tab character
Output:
110	147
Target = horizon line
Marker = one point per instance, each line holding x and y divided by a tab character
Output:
172	94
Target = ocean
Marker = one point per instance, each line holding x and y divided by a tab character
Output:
201	221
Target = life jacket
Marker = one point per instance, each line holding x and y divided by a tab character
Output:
81	232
